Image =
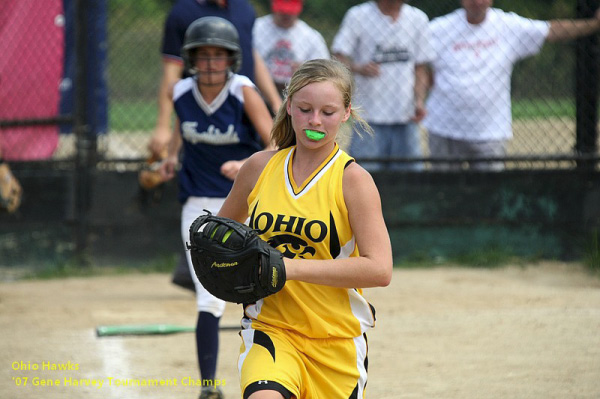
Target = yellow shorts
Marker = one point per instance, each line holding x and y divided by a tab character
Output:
301	367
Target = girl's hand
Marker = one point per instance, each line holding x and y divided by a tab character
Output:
168	168
230	169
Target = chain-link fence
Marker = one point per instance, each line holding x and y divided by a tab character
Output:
547	111
79	82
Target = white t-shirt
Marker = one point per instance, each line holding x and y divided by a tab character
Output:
368	35
470	99
284	49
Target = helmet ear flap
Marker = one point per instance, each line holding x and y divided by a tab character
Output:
189	60
236	64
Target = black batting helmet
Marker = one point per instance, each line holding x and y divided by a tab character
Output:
211	31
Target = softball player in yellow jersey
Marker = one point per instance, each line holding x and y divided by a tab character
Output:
322	210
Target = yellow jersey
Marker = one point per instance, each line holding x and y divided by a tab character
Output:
308	221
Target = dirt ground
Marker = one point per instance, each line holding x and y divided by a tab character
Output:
513	332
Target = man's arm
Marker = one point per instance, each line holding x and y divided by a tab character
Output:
422	84
568	29
265	83
172	71
369	69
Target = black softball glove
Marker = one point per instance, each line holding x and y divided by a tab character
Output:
232	262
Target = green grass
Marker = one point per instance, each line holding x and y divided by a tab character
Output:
492	257
592	253
132	116
543	108
81	268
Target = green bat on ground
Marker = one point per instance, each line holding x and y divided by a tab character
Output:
150	329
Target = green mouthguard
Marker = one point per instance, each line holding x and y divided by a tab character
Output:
314	135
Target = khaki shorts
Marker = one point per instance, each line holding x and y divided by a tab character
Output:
301	367
445	147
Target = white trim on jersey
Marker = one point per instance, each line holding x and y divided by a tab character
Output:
233	86
361	309
213	107
360	343
253	310
313	181
247	335
181	88
347	249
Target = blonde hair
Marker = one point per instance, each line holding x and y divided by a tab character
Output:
313	71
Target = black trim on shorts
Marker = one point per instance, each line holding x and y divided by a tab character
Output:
354	394
367	357
264	385
262	339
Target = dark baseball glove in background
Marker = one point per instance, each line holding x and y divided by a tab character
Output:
232	262
10	190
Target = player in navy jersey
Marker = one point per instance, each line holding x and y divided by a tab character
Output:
221	121
183	12
242	15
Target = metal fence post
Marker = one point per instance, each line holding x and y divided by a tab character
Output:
81	128
587	87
